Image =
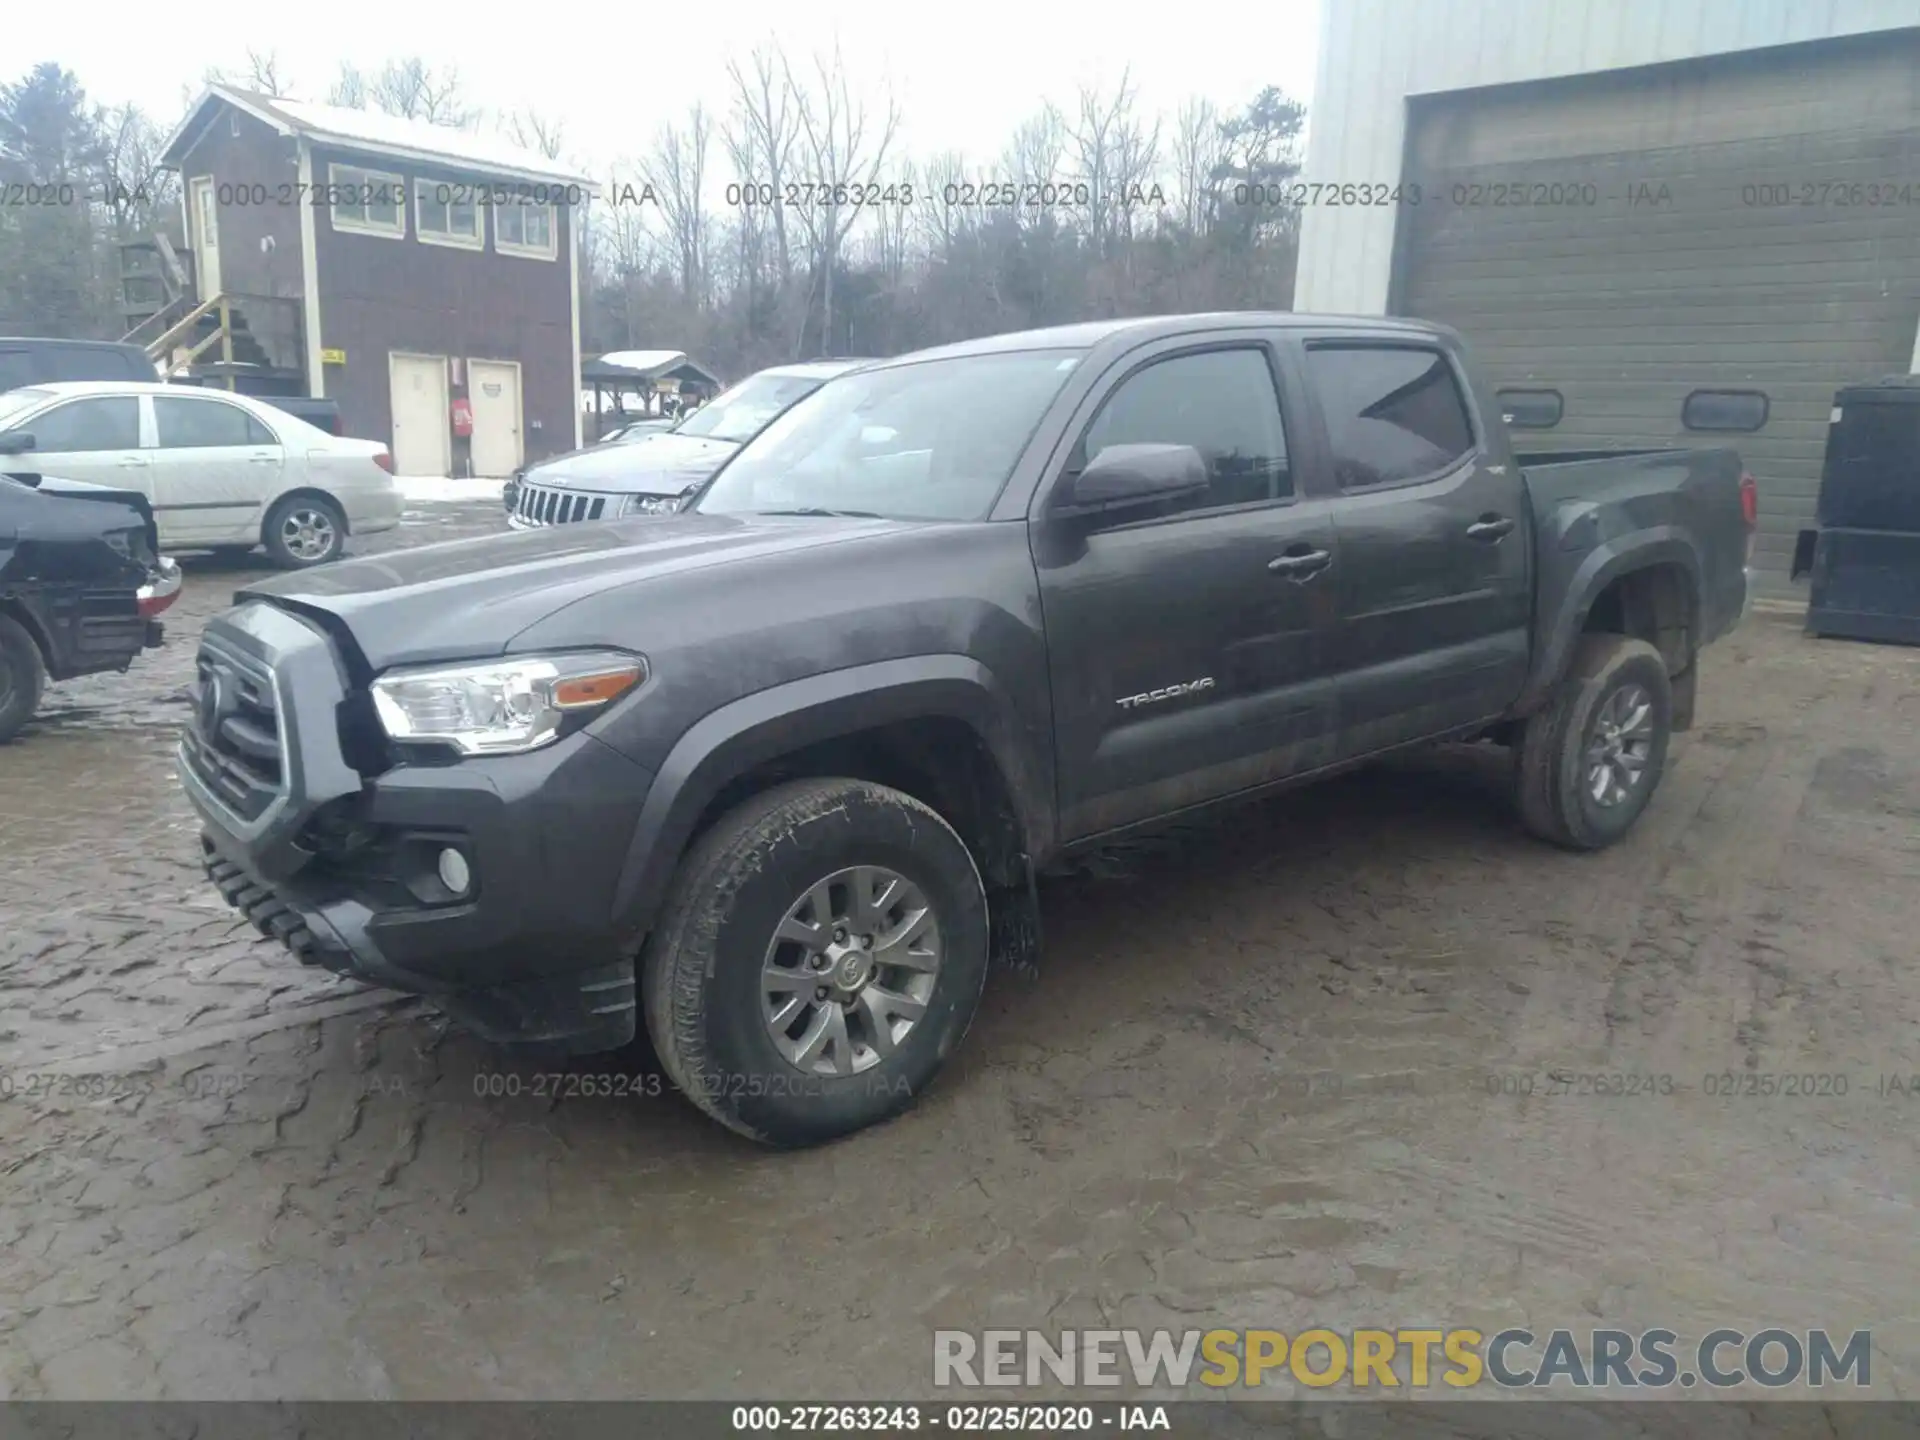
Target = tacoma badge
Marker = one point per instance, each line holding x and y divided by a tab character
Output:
1188	687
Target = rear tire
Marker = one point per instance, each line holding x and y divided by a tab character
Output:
21	678
1588	763
304	530
882	990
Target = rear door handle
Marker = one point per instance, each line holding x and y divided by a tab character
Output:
1300	564
131	463
263	459
1491	528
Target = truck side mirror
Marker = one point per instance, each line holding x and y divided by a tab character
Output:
16	442
1122	476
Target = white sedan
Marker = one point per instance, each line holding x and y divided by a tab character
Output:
222	471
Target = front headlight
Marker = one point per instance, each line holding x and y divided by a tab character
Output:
502	707
651	505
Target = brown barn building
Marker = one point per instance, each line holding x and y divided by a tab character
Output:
395	267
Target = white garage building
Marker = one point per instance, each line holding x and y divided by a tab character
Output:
1655	221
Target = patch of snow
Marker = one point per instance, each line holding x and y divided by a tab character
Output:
432	489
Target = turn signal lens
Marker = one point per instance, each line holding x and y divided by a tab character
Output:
585	690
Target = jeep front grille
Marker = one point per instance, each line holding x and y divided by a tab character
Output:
540	505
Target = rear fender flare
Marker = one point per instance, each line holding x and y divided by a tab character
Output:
757	728
1605	563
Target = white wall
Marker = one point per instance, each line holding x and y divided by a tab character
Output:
1376	53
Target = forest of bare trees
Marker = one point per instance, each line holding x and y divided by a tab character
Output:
784	217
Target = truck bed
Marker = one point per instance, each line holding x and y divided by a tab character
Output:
1589	506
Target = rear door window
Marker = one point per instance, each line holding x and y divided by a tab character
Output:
1394	413
184	424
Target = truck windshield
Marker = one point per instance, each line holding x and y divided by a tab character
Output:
741	413
929	441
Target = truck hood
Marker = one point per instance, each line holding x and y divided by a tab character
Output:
663	465
468	599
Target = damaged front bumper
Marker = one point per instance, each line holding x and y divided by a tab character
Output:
345	869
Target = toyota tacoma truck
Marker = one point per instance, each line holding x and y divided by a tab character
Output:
773	777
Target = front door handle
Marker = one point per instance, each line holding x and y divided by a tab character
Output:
1300	563
131	464
1491	528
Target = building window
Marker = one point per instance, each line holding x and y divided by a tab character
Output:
1531	409
444	214
1394	413
1724	410
521	227
367	202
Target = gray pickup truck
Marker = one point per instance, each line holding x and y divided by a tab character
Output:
778	773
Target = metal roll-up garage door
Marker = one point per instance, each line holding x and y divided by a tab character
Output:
1749	223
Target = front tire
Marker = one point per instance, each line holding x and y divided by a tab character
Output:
1588	763
304	530
821	954
21	678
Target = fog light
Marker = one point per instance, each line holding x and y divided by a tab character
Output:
455	873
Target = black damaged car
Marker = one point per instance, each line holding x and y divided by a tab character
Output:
82	582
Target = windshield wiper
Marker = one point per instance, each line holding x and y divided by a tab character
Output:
820	510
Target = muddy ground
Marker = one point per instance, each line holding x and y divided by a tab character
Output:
1274	1077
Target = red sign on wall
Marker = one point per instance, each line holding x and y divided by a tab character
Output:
463	416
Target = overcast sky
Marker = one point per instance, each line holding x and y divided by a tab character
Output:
964	75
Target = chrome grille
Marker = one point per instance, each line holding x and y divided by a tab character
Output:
543	505
233	733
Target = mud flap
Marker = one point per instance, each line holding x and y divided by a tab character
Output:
1686	685
1013	923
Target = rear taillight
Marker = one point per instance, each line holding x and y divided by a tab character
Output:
1750	513
383	460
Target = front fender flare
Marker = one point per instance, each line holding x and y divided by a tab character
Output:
756	728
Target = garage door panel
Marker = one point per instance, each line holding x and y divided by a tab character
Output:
1625	308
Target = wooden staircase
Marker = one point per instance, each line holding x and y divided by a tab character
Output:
253	344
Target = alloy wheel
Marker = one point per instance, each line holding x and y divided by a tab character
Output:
850	971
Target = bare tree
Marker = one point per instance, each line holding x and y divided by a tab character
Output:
133	185
1197	152
844	149
767	111
407	87
1113	150
264	74
750	217
1033	163
349	88
894	233
938	199
677	171
531	130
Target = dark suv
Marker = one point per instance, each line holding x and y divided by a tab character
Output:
32	360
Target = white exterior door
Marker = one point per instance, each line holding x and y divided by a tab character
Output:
493	386
206	236
420	421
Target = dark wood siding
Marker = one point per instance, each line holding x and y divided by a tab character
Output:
1681	274
380	294
256	175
